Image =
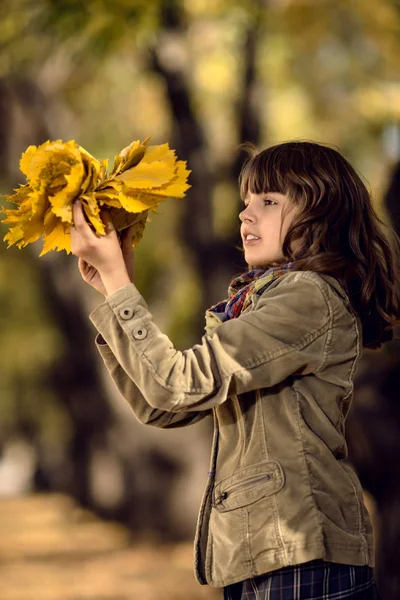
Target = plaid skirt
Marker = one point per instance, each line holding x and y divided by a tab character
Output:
315	580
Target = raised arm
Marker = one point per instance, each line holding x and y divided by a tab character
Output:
143	411
287	333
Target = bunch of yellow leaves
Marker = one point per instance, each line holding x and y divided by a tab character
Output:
59	173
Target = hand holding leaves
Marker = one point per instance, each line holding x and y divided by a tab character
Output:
106	263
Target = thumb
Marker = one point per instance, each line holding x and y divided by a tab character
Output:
107	220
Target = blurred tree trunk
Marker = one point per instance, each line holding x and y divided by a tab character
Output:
373	430
248	110
216	260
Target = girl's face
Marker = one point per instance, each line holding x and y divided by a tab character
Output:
262	218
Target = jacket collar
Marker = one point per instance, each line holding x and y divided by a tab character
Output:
213	319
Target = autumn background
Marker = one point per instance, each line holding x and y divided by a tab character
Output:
94	505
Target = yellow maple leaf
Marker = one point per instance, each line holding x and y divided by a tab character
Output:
123	219
56	236
138	201
70	170
129	156
108	200
28	165
91	209
21	194
14	235
31	230
178	185
148	175
159	152
58	173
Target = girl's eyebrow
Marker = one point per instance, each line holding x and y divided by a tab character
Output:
263	194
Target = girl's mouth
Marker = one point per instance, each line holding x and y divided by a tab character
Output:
251	241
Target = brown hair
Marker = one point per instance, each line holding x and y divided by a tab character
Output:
337	229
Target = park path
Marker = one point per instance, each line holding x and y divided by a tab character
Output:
51	549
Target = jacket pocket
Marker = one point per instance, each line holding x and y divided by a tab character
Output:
248	485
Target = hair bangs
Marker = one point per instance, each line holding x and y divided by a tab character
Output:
266	172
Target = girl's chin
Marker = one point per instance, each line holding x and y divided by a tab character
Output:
257	260
258	265
262	263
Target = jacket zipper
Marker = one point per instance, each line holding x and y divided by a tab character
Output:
231	489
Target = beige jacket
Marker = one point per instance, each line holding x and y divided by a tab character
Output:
278	381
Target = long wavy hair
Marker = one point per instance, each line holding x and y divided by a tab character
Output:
336	230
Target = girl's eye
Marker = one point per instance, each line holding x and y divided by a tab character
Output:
265	202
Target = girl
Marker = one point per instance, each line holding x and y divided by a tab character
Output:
283	513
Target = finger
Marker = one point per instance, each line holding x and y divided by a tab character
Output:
129	231
129	235
126	236
83	266
80	223
75	240
106	217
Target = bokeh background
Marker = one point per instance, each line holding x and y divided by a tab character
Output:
93	505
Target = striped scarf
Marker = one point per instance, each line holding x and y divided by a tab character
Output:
241	290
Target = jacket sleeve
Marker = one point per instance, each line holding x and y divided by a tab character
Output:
143	411
287	333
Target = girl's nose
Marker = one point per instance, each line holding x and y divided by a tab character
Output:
246	214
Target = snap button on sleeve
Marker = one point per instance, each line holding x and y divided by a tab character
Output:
126	313
139	333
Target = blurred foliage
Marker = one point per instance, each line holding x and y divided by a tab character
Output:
326	70
29	344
